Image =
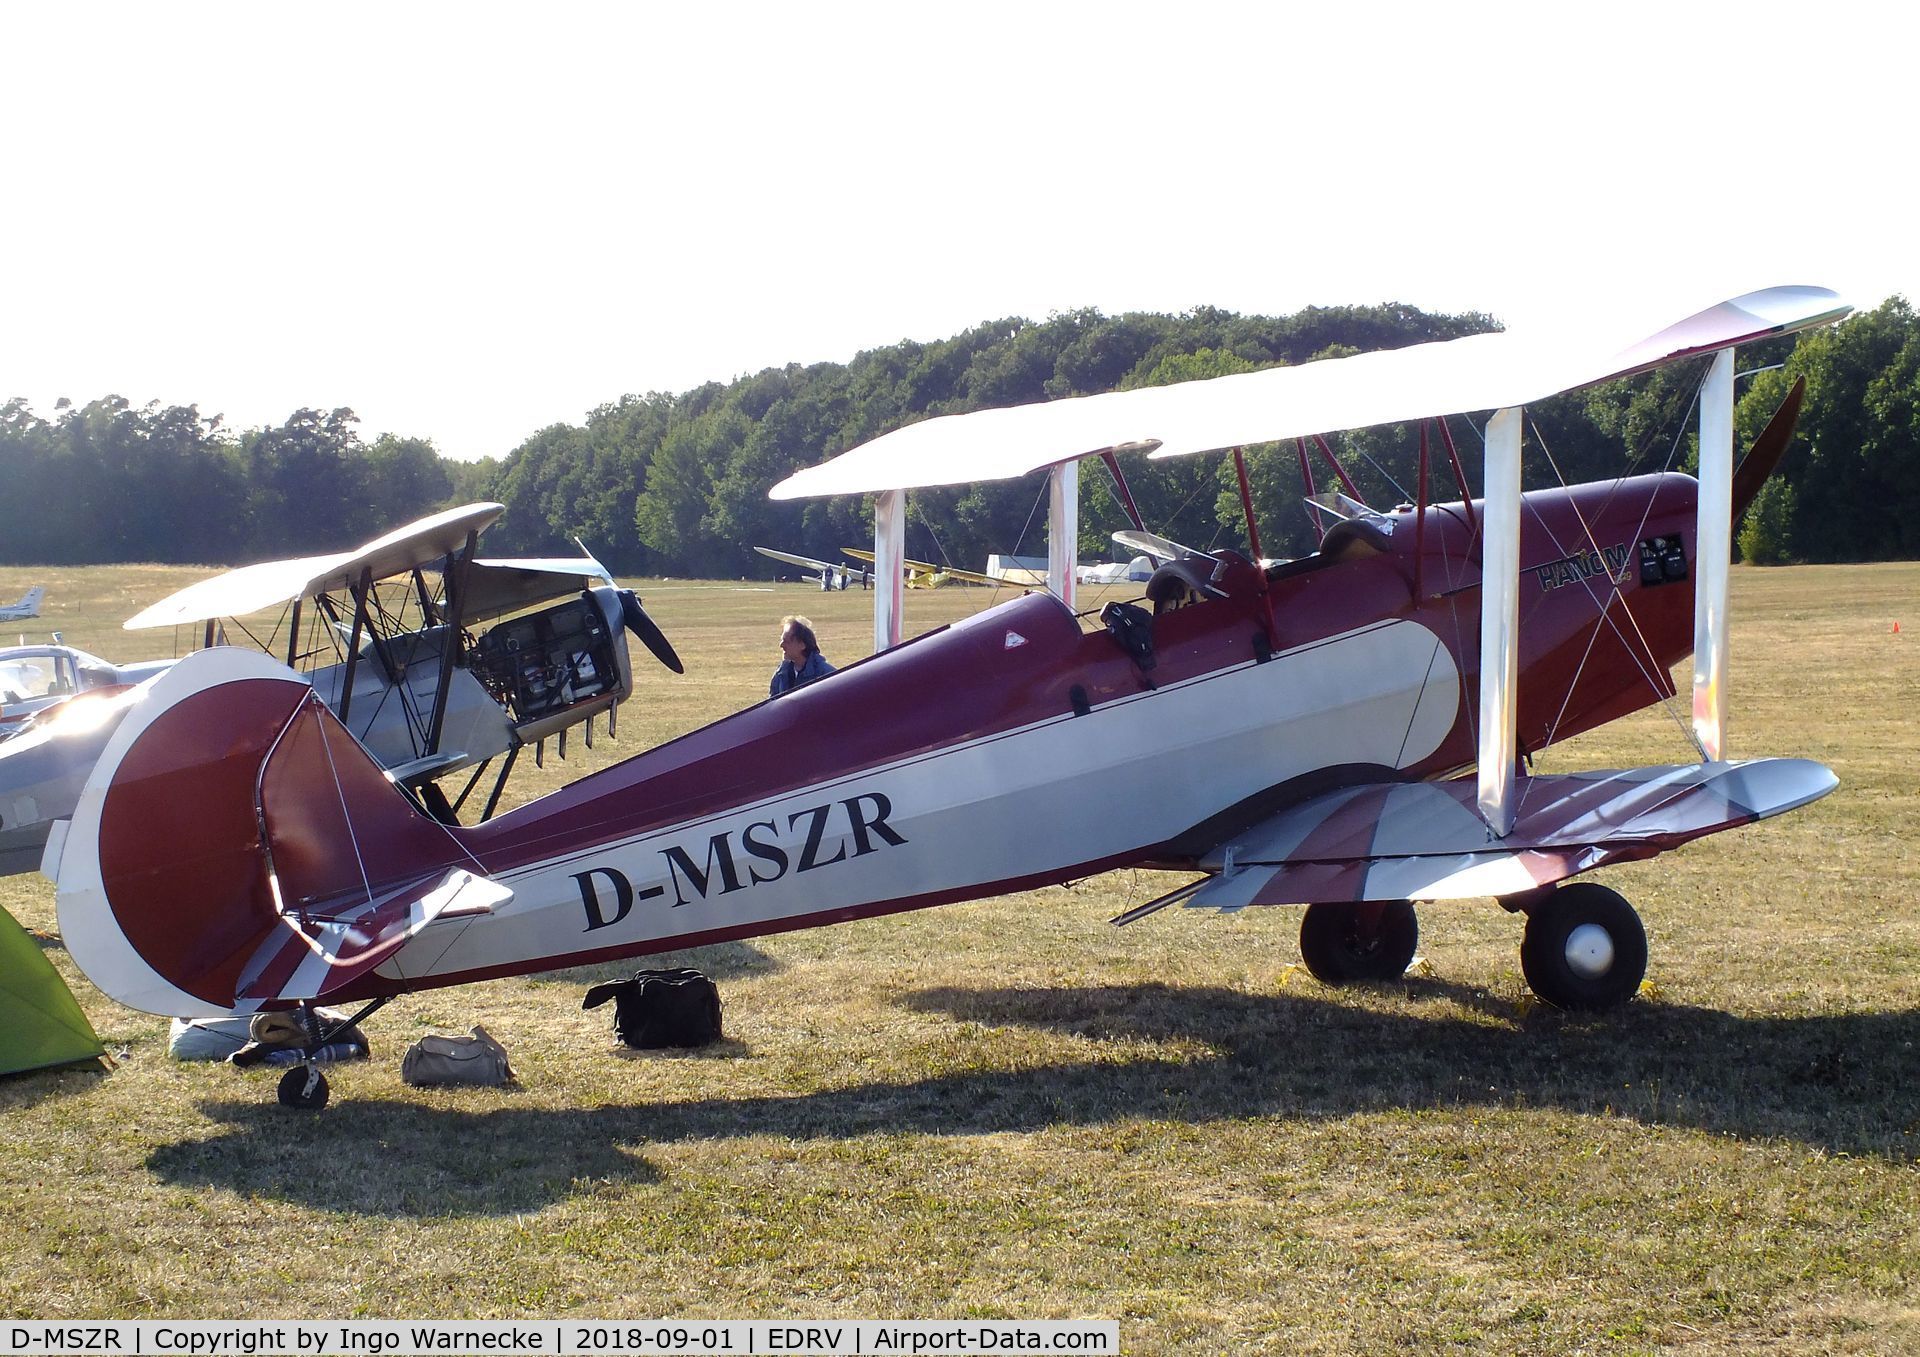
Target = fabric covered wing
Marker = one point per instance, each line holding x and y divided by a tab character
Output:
271	583
1424	840
1479	372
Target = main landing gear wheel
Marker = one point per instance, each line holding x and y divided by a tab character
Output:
1584	948
1367	940
304	1087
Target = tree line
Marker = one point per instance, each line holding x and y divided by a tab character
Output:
676	484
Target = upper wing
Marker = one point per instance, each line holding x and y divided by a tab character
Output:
253	587
1424	841
1479	372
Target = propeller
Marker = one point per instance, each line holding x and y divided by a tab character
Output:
1765	453
637	622
648	631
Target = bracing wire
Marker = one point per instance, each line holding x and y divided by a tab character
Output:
1021	541
345	815
1615	593
932	536
1398	488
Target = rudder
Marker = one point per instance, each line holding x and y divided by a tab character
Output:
228	804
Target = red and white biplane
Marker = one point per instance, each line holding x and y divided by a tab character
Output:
1343	731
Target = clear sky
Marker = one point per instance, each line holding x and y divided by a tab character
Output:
471	221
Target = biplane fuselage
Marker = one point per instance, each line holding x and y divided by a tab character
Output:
857	795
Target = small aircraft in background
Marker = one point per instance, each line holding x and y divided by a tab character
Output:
830	574
925	574
35	677
56	702
1343	732
435	660
28	606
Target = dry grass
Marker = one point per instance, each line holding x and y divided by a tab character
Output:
1011	1108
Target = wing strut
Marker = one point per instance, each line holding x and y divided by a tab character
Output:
1063	528
889	566
454	574
1500	619
1309	489
1713	552
1126	493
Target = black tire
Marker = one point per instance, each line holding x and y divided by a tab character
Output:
1588	972
1372	940
295	1092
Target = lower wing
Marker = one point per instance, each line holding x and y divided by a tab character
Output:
1426	841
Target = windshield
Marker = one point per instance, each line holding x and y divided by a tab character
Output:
25	678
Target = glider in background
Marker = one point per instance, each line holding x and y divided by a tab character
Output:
925	574
1343	731
830	574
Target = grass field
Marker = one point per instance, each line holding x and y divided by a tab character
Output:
1011	1108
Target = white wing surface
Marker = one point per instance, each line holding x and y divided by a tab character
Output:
1480	372
253	587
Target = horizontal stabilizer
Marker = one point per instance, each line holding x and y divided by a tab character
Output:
1425	841
313	954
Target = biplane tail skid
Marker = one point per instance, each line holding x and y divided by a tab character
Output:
236	847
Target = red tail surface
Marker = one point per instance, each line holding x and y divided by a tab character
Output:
236	846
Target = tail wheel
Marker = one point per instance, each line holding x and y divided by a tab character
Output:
304	1087
1367	940
1584	948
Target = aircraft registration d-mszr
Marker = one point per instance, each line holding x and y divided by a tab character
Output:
1341	731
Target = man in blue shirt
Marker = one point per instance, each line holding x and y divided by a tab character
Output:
803	663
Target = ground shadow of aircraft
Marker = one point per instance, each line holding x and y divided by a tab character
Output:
1836	1083
721	961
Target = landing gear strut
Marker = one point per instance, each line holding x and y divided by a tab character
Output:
1367	940
1584	948
304	1086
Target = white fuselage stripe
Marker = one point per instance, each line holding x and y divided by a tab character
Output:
1005	807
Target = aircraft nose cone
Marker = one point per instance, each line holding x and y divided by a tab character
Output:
1590	951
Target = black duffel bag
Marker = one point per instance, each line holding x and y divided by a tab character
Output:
658	1009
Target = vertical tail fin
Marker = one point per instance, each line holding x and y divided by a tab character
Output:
231	833
28	606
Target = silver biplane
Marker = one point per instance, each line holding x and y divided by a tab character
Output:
438	661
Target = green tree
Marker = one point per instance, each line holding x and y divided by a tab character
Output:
1856	469
307	485
405	478
1766	535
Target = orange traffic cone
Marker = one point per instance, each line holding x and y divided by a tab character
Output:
1896	628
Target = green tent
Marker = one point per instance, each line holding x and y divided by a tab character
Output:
40	1021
